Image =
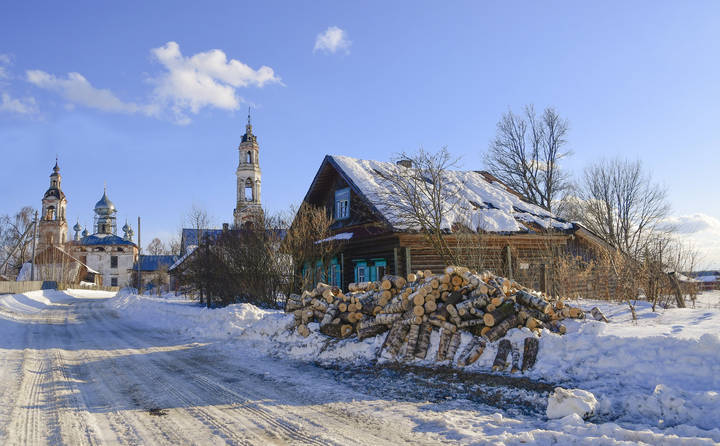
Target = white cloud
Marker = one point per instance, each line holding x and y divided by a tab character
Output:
332	40
206	79
5	61
189	84
22	106
702	231
76	89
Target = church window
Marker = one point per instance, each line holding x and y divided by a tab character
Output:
113	281
248	190
248	157
342	203
50	213
113	262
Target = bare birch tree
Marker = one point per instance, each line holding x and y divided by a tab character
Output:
526	154
622	205
418	195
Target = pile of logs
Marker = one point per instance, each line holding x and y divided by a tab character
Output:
482	304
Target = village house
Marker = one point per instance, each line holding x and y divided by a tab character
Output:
500	230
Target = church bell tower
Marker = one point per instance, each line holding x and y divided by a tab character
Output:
53	226
248	208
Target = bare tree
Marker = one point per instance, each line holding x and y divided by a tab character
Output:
622	205
16	240
310	241
156	247
526	154
418	194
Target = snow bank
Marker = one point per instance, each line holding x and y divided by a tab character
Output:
564	402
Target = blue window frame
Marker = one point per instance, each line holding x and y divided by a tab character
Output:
335	273
342	203
361	272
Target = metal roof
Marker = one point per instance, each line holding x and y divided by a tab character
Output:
155	262
104	239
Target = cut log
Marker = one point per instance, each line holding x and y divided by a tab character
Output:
472	352
418	310
503	311
303	331
421	349
453	346
412	339
454	317
330	314
335	330
395	338
445	336
576	313
411	278
369	328
500	362
515	359
471	323
530	351
598	315
430	306
499	330
532	301
388	318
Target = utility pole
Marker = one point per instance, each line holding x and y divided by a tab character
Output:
32	265
138	260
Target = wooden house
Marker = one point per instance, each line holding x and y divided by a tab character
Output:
491	226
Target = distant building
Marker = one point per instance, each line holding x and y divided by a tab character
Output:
101	257
248	174
104	251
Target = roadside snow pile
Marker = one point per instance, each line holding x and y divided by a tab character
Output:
564	402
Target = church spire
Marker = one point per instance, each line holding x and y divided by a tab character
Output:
248	136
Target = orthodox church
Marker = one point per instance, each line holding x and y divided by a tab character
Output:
248	173
102	253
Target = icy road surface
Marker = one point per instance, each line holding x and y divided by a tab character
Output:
73	372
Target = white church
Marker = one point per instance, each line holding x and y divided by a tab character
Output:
103	253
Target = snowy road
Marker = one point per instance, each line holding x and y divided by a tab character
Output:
76	373
79	368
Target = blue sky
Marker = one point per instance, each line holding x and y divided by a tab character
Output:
133	94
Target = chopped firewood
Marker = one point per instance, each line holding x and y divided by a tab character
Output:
423	343
412	277
445	336
430	306
492	318
303	331
532	301
500	363
577	313
472	352
369	328
499	330
453	346
395	338
530	351
412	339
388	318
418	310
515	359
598	315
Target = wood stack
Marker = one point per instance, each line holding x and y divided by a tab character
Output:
483	304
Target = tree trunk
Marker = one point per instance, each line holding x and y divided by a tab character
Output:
515	359
494	317
412	340
678	292
453	346
395	338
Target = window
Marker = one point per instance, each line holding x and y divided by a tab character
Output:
361	272
342	203
248	157
248	190
113	281
335	274
378	269
113	262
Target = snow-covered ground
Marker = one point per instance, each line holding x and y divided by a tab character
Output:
82	367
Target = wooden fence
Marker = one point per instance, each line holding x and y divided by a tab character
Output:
11	287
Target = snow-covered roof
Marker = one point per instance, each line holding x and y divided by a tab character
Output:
104	239
188	253
482	204
341	236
